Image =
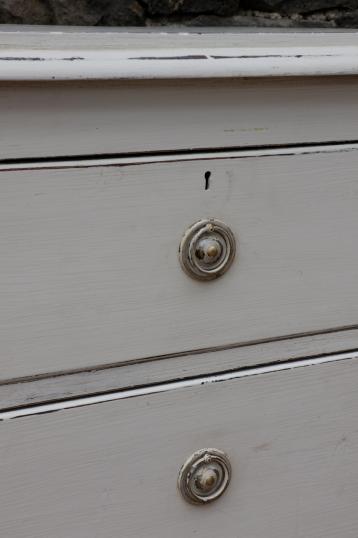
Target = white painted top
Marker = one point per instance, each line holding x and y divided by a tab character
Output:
45	53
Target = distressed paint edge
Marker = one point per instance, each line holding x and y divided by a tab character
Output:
181	63
174	385
68	385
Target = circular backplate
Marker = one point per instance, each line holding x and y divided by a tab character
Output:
204	476
207	249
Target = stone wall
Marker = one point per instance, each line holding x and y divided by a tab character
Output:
281	13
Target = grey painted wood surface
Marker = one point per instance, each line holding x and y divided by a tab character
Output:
89	268
39	120
110	469
48	38
52	388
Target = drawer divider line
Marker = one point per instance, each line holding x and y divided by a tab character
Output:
173	385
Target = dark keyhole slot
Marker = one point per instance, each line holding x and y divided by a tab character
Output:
207	180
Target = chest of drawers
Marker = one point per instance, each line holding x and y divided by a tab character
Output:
178	284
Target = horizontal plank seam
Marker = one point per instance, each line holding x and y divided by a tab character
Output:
173	385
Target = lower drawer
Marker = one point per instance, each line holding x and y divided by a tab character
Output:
110	470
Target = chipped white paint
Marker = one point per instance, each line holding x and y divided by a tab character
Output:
174	385
178	64
181	55
50	388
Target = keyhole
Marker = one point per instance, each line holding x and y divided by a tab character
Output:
207	180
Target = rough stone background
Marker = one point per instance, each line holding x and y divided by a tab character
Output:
277	13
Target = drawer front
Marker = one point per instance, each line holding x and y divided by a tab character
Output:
111	469
89	270
94	118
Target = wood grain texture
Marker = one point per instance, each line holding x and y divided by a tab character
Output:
52	388
89	268
110	469
49	120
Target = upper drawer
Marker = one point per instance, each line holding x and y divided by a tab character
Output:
90	92
89	270
96	118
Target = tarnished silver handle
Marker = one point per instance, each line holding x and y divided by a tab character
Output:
207	249
204	476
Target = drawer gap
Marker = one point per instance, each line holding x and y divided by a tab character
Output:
173	155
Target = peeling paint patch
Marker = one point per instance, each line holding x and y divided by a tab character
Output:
21	59
188	57
231	57
73	58
37	59
244	57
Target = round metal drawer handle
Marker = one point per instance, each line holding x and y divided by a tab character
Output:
204	476
207	249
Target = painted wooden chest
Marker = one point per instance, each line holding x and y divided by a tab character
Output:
178	284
